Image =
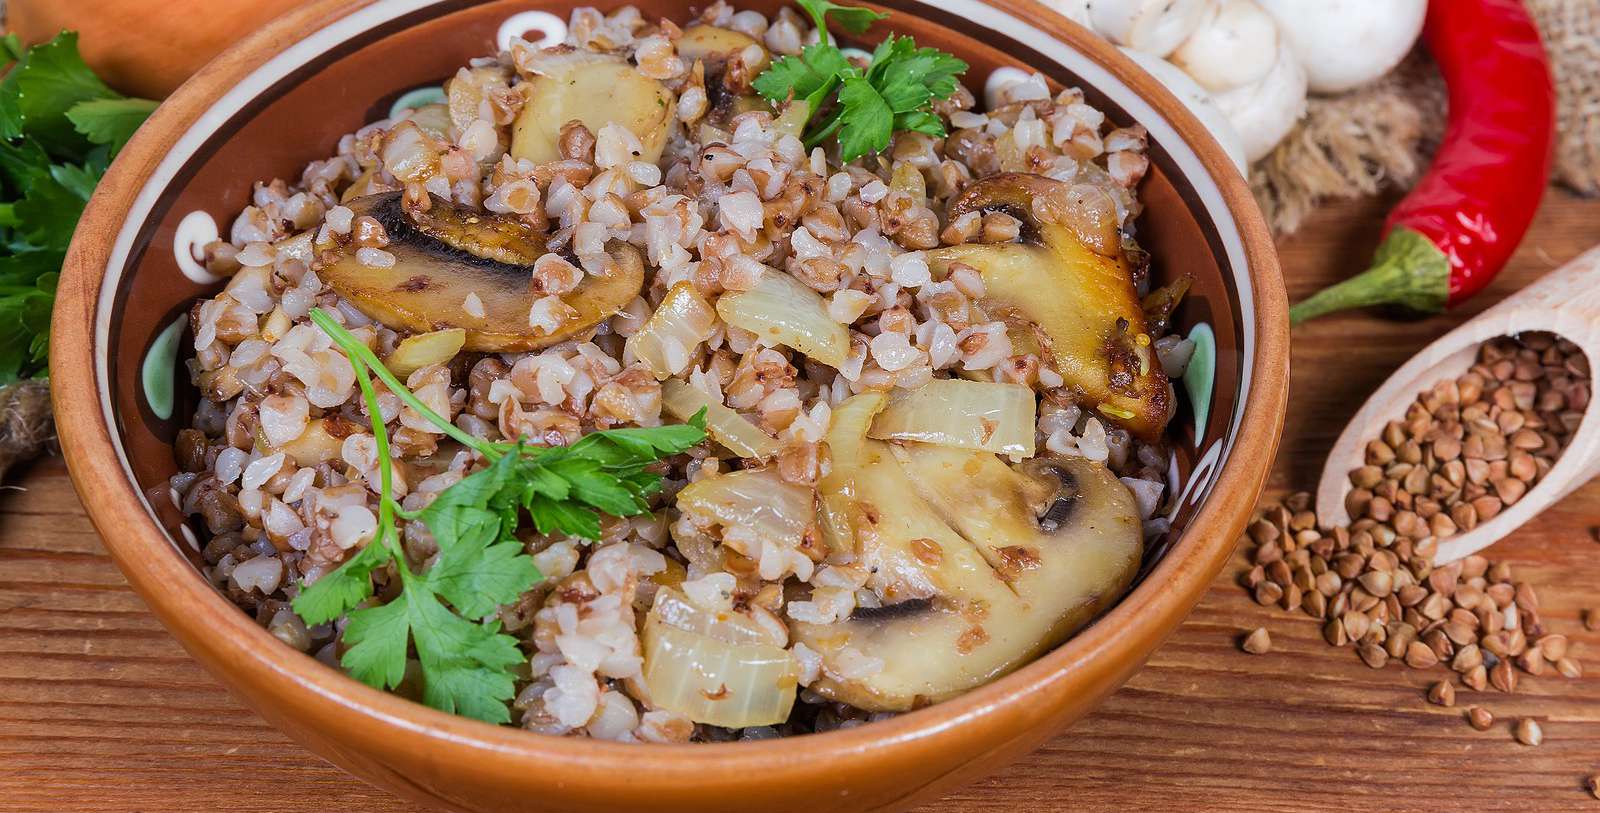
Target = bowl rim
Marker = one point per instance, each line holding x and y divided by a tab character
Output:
215	631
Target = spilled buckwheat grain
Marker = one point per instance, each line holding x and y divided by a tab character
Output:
1468	448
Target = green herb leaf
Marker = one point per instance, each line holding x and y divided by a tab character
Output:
22	162
466	667
920	121
469	688
49	170
808	76
869	122
376	643
850	18
79	180
110	121
48	213
895	93
11	50
337	592
48	81
909	77
482	564
551	516
615	447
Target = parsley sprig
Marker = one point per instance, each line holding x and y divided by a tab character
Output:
896	91
60	126
467	662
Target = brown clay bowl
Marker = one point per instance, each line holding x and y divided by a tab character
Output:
284	96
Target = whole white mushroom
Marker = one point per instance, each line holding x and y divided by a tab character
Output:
1074	10
1235	45
1199	103
1347	43
1155	27
1265	111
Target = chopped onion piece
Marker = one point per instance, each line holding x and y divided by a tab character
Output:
673	607
964	414
415	352
792	121
667	341
754	500
908	178
846	435
313	447
782	310
715	682
682	400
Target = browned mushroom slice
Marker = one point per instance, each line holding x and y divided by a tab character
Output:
980	566
455	268
715	46
1069	285
595	91
727	81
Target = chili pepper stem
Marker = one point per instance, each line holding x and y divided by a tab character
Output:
1409	271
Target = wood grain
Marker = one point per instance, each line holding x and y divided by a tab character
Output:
101	711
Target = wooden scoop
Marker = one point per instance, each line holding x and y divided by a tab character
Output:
1565	302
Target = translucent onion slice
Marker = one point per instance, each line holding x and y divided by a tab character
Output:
314	447
792	121
667	341
682	400
675	608
847	433
757	500
715	682
965	414
415	352
782	310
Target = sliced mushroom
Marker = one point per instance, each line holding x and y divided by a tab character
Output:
980	567
727	79
595	93
447	256
1077	302
715	46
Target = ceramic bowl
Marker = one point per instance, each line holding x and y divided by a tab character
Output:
285	95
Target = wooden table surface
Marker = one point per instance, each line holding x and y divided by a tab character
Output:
100	710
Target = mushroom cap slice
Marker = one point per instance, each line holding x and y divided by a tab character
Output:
715	45
595	93
981	566
1078	304
445	255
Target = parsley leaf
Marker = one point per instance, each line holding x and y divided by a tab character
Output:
47	82
809	76
338	592
376	642
48	171
110	121
853	19
444	612
466	666
870	118
896	92
47	214
481	563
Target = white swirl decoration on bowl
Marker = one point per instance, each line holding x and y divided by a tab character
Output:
552	29
196	231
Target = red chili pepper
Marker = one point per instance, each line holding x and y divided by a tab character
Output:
1457	228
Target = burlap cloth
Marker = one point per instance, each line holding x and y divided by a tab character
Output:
1358	143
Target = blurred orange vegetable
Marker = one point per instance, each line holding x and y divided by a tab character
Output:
143	47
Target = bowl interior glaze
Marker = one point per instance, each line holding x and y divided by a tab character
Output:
286	96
